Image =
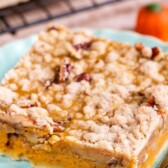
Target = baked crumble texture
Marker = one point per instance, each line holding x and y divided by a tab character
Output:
84	100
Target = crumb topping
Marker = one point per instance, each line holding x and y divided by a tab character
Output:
88	90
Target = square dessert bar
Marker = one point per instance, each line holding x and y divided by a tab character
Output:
79	101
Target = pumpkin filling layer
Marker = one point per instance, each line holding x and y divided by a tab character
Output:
76	100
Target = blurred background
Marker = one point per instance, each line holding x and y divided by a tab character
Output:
22	18
19	19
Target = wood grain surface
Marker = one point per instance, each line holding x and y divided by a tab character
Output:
121	15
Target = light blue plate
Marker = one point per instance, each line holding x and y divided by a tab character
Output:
12	52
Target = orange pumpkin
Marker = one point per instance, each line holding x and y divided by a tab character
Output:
153	20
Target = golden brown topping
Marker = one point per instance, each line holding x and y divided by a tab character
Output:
102	111
155	52
83	76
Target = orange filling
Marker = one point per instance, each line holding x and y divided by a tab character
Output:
60	154
155	148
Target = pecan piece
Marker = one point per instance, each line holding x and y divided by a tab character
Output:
29	105
160	111
61	75
140	94
83	76
63	122
83	46
58	128
155	52
63	72
151	101
69	67
146	51
113	163
139	46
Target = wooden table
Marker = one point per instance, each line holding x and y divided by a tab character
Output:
121	15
